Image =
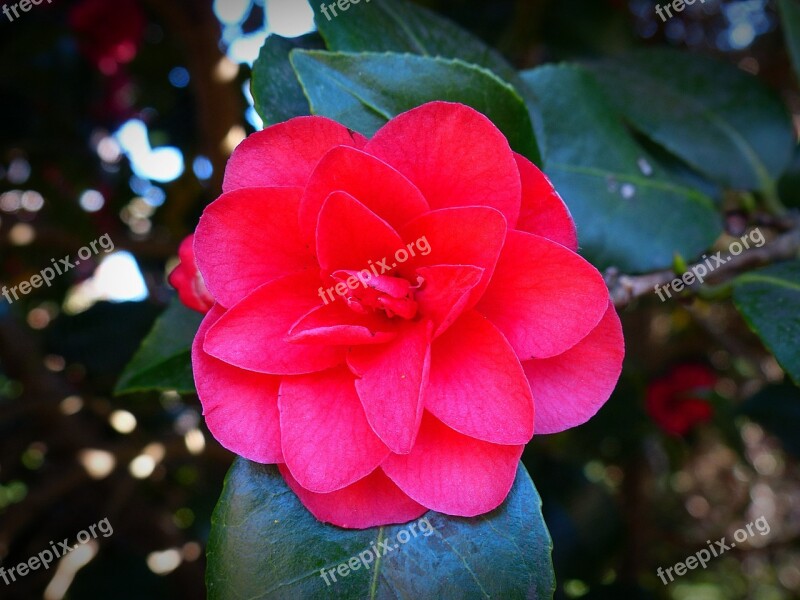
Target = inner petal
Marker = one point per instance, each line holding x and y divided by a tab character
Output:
366	292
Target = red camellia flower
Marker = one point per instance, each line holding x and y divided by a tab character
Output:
109	33
187	279
678	401
388	313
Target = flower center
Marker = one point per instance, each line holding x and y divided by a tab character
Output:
368	293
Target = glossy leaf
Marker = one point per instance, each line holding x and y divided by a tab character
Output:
277	94
630	213
769	300
790	19
163	361
721	121
363	91
400	26
265	544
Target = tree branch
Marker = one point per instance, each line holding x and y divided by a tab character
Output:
624	289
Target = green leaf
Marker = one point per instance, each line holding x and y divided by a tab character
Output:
777	409
363	91
630	212
722	122
277	94
400	26
163	361
769	300
265	544
790	19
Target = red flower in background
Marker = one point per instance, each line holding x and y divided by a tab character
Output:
108	32
678	401
187	279
413	388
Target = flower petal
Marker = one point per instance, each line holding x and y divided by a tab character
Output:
284	155
454	155
351	236
570	388
186	279
452	473
467	235
252	334
369	180
543	211
372	501
335	324
476	384
446	292
543	297
391	381
240	407
326	439
249	237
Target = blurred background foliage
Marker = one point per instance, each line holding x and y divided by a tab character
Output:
118	117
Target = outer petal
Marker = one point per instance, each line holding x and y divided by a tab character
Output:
336	324
252	334
543	211
240	407
371	181
326	439
476	384
543	297
391	383
284	155
472	235
571	387
452	473
454	155
350	236
249	237
369	502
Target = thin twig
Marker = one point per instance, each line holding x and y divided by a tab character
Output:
626	288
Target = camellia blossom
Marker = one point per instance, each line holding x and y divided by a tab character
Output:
679	401
109	33
415	388
187	279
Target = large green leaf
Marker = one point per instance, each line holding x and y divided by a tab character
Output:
400	26
277	94
630	213
363	91
769	300
265	544
790	19
163	361
721	121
